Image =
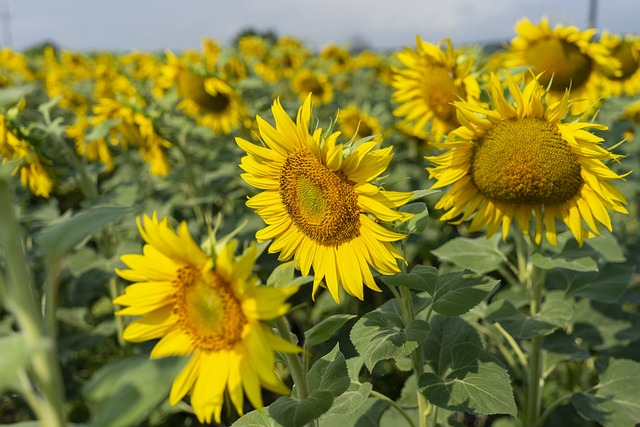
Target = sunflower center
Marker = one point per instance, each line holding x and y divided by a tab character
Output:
321	203
525	162
191	85
312	84
208	310
561	61
439	91
629	60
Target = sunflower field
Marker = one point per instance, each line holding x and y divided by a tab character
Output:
262	234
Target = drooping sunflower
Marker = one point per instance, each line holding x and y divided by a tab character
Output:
29	163
626	50
523	162
135	129
209	310
320	205
564	58
432	78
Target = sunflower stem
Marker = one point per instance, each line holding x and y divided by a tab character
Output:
21	301
295	364
536	381
394	405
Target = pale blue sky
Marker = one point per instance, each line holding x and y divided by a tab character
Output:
387	24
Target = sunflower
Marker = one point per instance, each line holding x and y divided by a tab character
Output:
209	310
207	98
514	161
320	205
306	81
134	128
28	162
355	122
432	78
626	50
566	57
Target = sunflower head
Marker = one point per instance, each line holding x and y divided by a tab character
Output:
212	311
521	161
562	58
306	81
320	204
431	79
626	49
357	123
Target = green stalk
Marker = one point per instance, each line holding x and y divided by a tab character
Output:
294	362
394	405
21	301
536	382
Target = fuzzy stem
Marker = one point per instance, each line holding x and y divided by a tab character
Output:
294	362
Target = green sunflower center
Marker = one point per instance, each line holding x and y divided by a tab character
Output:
321	203
191	86
208	310
439	91
629	60
525	162
561	61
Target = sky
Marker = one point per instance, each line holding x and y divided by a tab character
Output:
155	25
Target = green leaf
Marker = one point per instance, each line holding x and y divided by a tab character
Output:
420	218
607	285
571	260
480	255
458	292
447	332
381	334
421	278
614	401
122	393
257	418
284	275
15	356
330	373
351	400
608	247
366	415
476	383
293	412
554	313
13	94
325	329
61	237
102	130
452	294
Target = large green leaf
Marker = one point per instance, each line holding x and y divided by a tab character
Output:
570	260
64	235
614	401
122	393
554	313
351	400
325	329
447	332
381	334
257	418
480	255
452	293
420	218
475	383
607	285
13	94
292	412
330	373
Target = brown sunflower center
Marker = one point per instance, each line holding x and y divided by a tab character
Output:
208	310
321	203
525	162
313	85
439	90
629	60
561	61
191	86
